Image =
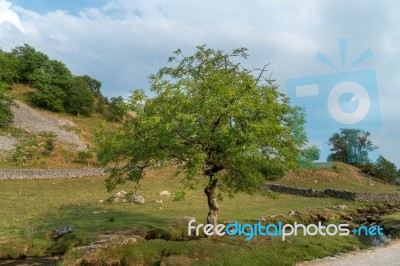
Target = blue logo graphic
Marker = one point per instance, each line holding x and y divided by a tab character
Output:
368	231
345	99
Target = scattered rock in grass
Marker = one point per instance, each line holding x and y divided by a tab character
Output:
159	201
371	218
340	206
111	241
121	194
101	201
164	193
61	231
189	218
99	211
293	213
137	199
119	197
261	219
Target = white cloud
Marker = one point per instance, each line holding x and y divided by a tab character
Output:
8	16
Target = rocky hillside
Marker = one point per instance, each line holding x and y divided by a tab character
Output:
32	121
43	139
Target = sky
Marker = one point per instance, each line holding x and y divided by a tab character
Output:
312	48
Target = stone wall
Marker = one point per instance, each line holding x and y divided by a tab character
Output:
49	173
308	192
336	193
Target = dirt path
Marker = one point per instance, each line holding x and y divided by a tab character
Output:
385	255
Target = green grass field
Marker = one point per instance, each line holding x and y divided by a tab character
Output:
31	208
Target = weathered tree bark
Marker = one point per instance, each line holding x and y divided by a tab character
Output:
212	202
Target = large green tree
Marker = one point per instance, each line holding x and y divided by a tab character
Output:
218	119
29	61
351	146
80	100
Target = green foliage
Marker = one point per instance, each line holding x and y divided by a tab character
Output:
93	84
24	151
57	89
49	145
85	155
29	62
53	73
80	98
385	169
308	155
367	168
101	104
53	81
217	118
382	168
116	109
179	196
351	146
6	115
8	69
49	97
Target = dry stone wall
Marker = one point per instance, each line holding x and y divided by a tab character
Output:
336	193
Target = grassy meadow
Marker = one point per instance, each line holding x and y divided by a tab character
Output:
32	208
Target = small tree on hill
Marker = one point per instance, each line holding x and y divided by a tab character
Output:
351	146
213	116
385	169
116	109
80	100
309	155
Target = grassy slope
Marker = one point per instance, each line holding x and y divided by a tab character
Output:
339	176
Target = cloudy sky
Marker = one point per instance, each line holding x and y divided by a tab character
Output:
121	42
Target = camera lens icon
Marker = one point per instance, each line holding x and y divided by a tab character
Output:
341	108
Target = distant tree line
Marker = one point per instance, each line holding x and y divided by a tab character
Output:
57	89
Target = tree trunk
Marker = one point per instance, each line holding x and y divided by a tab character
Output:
212	202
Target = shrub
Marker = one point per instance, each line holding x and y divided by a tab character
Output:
24	151
179	196
385	169
6	115
49	143
84	156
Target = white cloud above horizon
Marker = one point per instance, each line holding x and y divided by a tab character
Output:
122	42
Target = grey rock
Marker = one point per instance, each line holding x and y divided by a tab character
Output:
137	199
